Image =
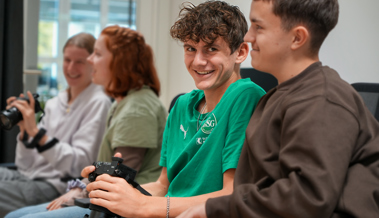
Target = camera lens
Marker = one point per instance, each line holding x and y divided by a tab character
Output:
10	118
5	123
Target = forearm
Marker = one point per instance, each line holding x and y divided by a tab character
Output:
70	157
160	187
133	156
155	188
110	192
157	206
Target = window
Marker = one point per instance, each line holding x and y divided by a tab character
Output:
61	19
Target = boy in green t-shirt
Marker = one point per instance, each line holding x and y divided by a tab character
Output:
205	129
311	147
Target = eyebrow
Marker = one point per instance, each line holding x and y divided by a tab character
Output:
187	45
206	45
255	20
212	45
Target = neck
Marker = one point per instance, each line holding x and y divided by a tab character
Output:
75	92
213	96
118	99
293	68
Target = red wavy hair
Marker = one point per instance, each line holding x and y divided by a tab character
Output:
132	65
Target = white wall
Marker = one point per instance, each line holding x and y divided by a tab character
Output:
31	15
154	20
351	48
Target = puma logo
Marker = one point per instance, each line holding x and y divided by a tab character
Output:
184	131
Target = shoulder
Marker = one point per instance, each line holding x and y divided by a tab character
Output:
95	94
341	93
244	88
194	94
142	102
246	85
53	100
324	83
189	98
141	95
144	97
57	101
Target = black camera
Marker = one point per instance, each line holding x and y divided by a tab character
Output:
10	117
114	168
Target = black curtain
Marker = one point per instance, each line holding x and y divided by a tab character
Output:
11	67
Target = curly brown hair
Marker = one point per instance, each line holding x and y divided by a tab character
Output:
132	65
208	21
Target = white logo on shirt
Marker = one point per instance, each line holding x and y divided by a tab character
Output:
200	140
184	131
209	124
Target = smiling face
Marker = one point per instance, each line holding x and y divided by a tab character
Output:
211	66
100	60
76	69
271	44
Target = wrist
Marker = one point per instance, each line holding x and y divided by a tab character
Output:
75	184
146	207
41	132
21	135
168	207
156	207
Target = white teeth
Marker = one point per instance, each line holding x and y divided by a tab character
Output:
204	72
73	77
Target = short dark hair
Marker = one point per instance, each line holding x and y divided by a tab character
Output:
132	65
318	16
81	40
208	21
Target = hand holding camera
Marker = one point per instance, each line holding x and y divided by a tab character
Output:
21	111
114	169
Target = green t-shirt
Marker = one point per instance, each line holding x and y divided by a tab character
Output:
138	120
196	159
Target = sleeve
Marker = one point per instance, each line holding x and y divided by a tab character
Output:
316	144
242	109
25	157
70	159
163	160
180	101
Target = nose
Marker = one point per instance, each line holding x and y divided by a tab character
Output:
250	35
70	66
200	59
89	59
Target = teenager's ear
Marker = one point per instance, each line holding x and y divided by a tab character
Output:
300	37
243	51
